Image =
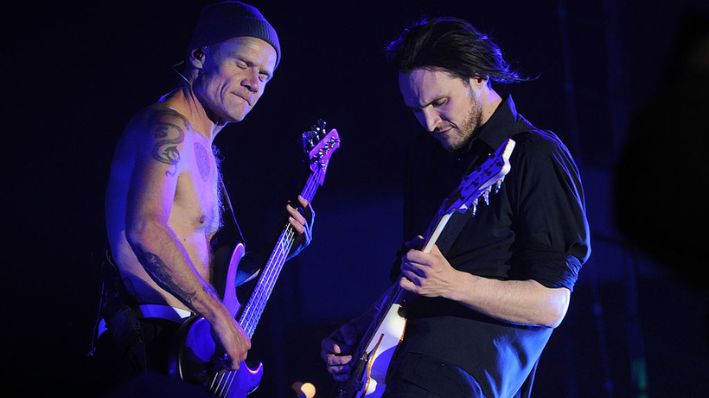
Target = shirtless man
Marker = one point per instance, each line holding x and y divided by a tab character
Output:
163	197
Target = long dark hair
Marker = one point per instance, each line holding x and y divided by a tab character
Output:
454	45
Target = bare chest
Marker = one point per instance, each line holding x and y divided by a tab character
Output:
197	194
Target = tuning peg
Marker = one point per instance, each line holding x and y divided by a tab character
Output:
475	207
486	196
498	184
319	128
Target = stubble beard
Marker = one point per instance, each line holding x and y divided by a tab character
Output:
464	133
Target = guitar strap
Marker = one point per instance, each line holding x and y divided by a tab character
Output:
250	264
445	241
225	196
457	220
452	230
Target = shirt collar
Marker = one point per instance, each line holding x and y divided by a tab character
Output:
498	127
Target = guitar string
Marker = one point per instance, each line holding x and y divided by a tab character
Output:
264	294
228	381
308	193
267	287
216	391
397	291
247	317
250	325
285	246
250	318
220	376
228	378
212	386
279	259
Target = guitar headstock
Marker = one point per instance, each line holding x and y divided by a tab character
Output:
319	145
481	181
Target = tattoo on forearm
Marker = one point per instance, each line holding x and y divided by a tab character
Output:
169	136
210	291
157	270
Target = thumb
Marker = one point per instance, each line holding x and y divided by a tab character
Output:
436	251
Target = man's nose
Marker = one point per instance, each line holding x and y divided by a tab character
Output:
431	119
251	82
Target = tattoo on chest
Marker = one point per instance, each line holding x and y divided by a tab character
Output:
157	270
202	159
169	136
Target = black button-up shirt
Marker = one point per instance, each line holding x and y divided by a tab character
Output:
535	227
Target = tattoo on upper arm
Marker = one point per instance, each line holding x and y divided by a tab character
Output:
169	136
157	270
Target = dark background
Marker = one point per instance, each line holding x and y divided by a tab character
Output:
612	82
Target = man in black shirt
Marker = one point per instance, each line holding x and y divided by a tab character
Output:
489	294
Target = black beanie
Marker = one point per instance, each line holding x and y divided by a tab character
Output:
228	19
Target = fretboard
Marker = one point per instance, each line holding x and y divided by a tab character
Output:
262	291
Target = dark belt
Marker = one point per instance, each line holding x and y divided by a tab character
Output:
159	311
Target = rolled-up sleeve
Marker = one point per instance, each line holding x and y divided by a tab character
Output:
552	233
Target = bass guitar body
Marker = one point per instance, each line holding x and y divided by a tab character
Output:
197	359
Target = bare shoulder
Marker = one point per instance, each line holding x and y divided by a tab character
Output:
160	133
157	121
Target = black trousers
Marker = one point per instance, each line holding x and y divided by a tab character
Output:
131	349
419	376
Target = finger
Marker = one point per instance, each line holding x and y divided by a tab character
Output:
335	369
309	212
339	370
436	251
412	278
418	257
295	214
407	285
324	354
296	225
329	349
235	365
237	356
303	201
338	360
414	268
406	264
